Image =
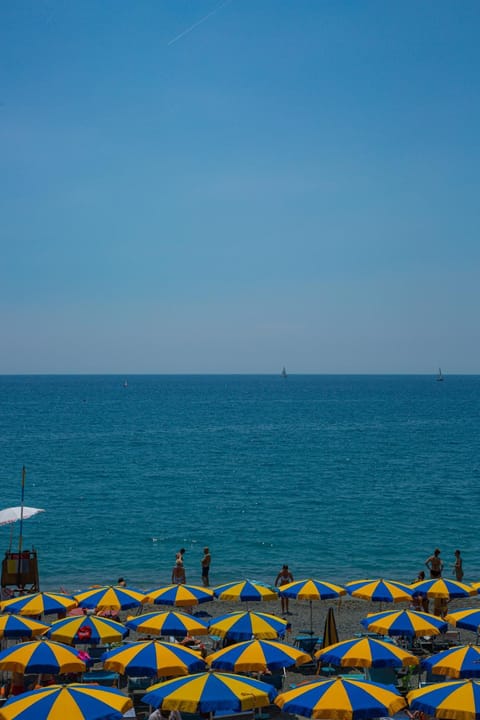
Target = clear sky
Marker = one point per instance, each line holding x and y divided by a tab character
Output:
205	186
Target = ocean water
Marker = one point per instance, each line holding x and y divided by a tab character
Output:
341	477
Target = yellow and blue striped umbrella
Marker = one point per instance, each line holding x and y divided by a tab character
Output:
468	619
246	591
379	590
180	595
91	629
210	692
247	625
457	662
153	658
341	699
41	656
169	622
113	597
442	588
15	626
257	656
311	590
456	700
409	623
41	603
366	652
75	702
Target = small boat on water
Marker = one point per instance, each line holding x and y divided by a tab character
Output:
284	372
125	384
439	376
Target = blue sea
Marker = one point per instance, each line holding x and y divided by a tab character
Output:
341	477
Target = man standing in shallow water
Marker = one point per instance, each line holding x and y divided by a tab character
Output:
435	564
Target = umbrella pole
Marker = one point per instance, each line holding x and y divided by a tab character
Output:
311	618
20	539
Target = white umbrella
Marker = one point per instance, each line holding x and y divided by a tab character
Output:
12	514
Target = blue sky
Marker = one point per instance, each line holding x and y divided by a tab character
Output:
197	186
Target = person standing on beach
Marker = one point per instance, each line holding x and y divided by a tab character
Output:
435	564
283	578
206	560
458	567
178	573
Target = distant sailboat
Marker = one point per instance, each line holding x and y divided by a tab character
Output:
284	373
439	376
125	384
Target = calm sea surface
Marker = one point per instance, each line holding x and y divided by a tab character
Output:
341	477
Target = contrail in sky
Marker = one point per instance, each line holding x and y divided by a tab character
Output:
199	22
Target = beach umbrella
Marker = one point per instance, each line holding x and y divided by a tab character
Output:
330	633
91	629
40	603
16	626
442	588
409	623
311	590
247	625
110	597
379	590
257	656
341	699
246	591
468	619
12	514
169	622
366	652
41	656
153	658
180	595
75	702
210	692
457	662
456	700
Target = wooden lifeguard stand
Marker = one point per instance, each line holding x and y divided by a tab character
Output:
19	569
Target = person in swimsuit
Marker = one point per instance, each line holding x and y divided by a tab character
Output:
458	567
283	578
206	560
178	573
435	564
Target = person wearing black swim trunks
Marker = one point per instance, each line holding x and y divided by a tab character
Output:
435	564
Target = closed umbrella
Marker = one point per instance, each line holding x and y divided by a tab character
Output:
330	633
